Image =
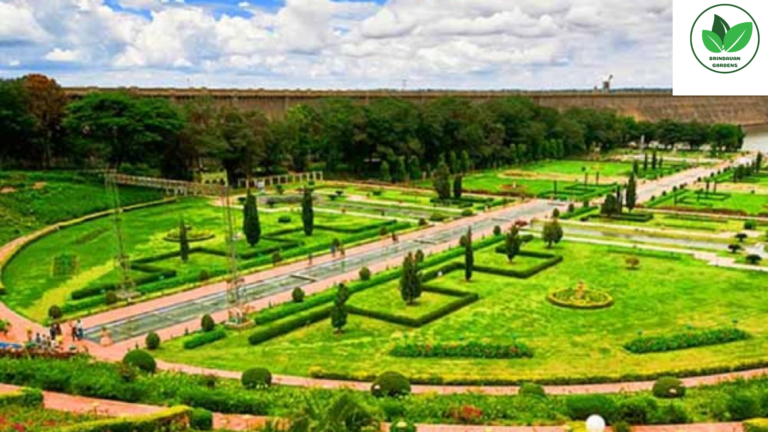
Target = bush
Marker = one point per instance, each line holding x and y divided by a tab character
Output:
365	274
298	295
204	275
756	425
743	406
54	312
467	213
391	384
31	398
152	341
200	339
531	389
140	359
110	298
497	230
423	222
402	426
580	407
689	339
672	413
256	378
276	258
284	219
437	217
668	388
621	426
207	323
637	410
383	231
750	225
462	350
201	419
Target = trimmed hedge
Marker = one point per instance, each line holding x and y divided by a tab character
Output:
168	420
668	388
632	217
462	350
289	325
550	260
756	425
460	302
581	211
204	338
679	341
141	360
25	397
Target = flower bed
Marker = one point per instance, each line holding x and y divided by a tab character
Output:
462	350
689	339
575	298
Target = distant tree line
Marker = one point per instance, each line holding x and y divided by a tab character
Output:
391	139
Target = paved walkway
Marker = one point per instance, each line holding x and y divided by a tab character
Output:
238	422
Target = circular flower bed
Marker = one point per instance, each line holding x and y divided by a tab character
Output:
580	298
192	236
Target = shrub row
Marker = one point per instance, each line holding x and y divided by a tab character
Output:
632	217
24	397
463	350
756	425
168	420
577	212
550	260
289	325
204	338
460	302
690	339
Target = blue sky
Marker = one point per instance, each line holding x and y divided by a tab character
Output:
462	44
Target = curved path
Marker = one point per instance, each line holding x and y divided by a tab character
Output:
237	422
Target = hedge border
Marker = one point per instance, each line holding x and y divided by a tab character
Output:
461	301
756	425
557	302
204	338
161	421
289	325
737	335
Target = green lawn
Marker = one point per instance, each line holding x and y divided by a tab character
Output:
696	223
664	296
751	204
33	288
578	167
32	200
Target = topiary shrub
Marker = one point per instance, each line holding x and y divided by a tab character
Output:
580	407
636	410
419	256
497	230
201	419
383	231
402	425
365	274
110	298
423	222
276	258
668	388
204	275
750	225
672	413
467	213
54	313
621	426
531	390
284	219
140	359
391	384
207	323
256	378
152	341
298	295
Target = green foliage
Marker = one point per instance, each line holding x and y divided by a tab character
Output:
668	388
410	280
289	325
251	223
531	390
163	421
462	350
256	378
441	181
201	419
688	339
457	188
580	407
385	172
552	232
307	212
756	425
297	295
621	426
204	338
636	410
152	341
631	193
141	360
391	384
365	274
339	311
400	174
183	241
207	323
54	313
743	406
512	243
469	256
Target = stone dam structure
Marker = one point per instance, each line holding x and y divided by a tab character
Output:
643	105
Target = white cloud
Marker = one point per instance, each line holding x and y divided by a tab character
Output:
14	63
64	56
334	43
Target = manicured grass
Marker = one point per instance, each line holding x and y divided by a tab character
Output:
752	204
671	221
663	296
33	200
386	298
578	167
32	287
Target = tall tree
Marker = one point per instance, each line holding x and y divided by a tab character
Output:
410	280
339	312
552	233
385	172
442	182
469	257
414	168
183	241
400	175
457	187
16	123
631	193
512	243
466	162
251	223
46	103
307	212
608	208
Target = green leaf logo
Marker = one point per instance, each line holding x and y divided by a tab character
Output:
720	27
712	41
738	37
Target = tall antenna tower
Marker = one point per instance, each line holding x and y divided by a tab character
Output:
235	283
122	263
